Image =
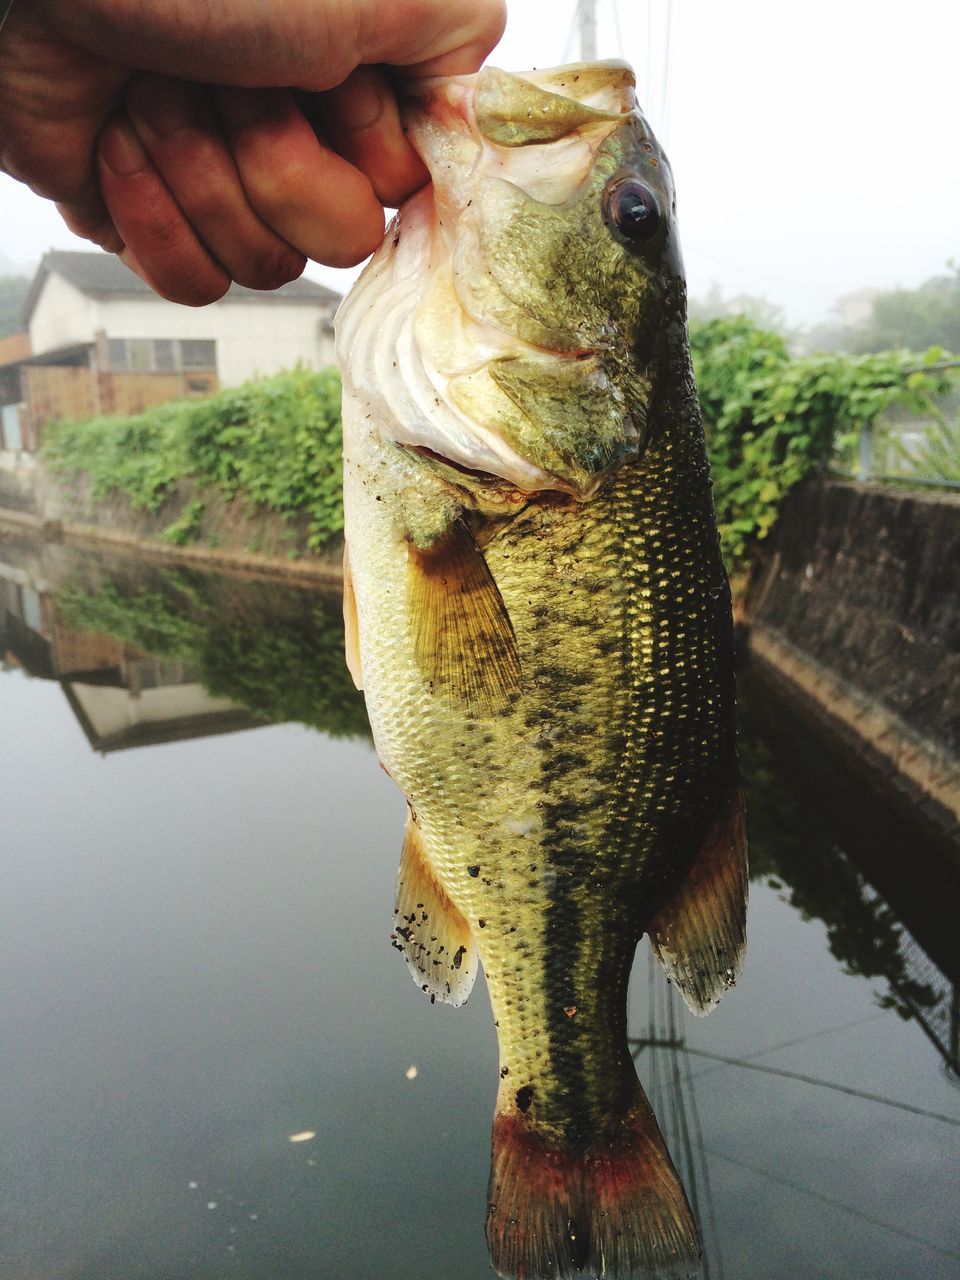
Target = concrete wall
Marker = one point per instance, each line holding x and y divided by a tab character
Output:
856	605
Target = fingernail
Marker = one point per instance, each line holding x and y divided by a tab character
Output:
164	105
359	101
120	149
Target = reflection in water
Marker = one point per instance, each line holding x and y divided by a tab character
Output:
150	655
801	795
825	850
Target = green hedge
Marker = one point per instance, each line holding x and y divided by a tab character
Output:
772	420
276	442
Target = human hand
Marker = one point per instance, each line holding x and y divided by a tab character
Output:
225	139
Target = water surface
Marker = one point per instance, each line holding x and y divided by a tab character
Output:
195	965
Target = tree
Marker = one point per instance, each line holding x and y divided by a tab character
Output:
760	311
916	318
13	297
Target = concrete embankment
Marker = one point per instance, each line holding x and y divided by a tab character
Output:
229	536
854	613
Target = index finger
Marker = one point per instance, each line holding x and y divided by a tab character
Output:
430	37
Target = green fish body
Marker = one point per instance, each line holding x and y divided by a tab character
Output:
538	612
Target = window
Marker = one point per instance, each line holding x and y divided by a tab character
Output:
30	609
160	355
164	355
197	354
10	434
140	355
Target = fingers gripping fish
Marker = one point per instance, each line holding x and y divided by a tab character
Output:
537	610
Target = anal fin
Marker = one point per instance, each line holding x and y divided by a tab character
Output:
463	637
430	931
699	936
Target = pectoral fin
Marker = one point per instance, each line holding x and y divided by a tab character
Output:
700	935
432	934
463	637
351	626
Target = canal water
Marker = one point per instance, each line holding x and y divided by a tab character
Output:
214	1065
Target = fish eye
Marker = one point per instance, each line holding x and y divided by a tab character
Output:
632	208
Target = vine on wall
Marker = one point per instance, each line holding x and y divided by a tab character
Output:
771	420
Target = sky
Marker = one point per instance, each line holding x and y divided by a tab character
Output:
813	146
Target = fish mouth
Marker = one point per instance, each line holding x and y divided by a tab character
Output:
449	361
491	480
423	451
455	122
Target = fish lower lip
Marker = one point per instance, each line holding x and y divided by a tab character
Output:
558	493
432	454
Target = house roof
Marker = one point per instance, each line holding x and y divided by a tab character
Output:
103	275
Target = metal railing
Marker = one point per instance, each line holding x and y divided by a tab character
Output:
897	436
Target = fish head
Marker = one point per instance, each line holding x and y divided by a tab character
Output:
528	291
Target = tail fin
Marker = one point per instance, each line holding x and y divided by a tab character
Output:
613	1209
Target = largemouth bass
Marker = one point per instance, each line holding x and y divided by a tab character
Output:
538	612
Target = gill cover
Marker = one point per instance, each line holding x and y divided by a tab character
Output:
505	326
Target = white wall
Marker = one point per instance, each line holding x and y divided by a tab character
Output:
63	316
112	710
253	338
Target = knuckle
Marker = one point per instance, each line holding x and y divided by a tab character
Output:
271	268
190	291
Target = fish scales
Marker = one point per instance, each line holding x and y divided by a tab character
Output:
569	761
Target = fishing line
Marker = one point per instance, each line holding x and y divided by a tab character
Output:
827	1084
618	30
649	84
837	1204
664	122
574	21
789	1044
705	1172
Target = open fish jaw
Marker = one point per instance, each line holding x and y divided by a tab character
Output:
451	341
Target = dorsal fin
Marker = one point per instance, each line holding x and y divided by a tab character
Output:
463	638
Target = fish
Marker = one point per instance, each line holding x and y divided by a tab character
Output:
536	607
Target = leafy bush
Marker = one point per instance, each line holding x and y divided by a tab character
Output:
275	442
772	420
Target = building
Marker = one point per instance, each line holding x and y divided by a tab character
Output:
854	310
100	341
120	696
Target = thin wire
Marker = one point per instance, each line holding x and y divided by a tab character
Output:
789	1044
663	122
827	1084
618	30
571	34
705	1172
652	1033
648	88
837	1204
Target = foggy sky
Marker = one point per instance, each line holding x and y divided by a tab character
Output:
813	146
